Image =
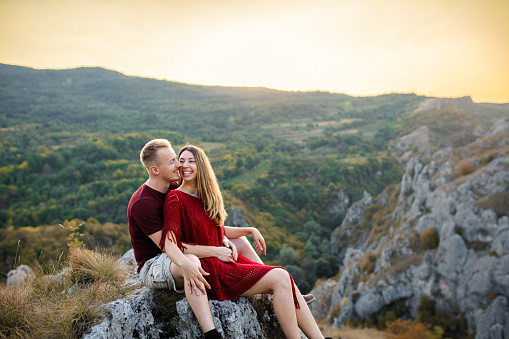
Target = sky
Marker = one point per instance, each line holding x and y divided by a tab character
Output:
443	48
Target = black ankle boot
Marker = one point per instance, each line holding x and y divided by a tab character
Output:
213	334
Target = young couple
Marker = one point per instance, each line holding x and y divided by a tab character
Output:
180	242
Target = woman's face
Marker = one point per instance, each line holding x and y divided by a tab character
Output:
188	170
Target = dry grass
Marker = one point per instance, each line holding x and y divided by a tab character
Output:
13	317
57	306
351	333
498	202
367	265
92	267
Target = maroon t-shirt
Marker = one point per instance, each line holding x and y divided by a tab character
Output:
145	217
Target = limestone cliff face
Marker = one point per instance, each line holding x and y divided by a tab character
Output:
463	195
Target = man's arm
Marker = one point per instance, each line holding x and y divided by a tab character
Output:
236	232
220	252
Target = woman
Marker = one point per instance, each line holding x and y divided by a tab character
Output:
195	214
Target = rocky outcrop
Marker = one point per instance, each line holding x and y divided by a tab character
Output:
235	218
148	313
462	194
162	314
17	276
354	217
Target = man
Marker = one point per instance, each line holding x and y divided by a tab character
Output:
145	216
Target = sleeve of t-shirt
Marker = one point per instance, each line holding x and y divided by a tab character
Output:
147	217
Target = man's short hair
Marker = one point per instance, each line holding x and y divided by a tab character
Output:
148	154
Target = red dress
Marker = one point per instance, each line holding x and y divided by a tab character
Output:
185	215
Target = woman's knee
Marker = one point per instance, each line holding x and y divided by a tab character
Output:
282	278
241	243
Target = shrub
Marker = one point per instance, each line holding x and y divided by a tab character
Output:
465	168
429	238
387	318
450	324
367	265
334	313
404	329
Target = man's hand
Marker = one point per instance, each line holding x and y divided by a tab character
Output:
193	276
260	242
228	244
224	254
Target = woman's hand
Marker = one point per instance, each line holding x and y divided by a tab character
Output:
231	246
260	242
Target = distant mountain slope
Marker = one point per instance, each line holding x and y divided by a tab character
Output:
289	163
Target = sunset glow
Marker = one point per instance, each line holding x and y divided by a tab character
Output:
442	48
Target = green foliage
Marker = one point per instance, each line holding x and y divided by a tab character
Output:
74	233
451	325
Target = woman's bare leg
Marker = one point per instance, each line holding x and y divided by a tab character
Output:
199	303
244	247
305	319
277	281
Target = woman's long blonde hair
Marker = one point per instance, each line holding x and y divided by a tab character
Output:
208	187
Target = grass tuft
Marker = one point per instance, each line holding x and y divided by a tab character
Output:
92	267
13	317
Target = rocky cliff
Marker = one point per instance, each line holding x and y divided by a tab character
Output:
435	246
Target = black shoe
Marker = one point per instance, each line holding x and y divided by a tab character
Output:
309	298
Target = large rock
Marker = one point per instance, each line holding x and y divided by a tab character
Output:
163	314
148	313
20	274
129	318
235	218
233	319
493	322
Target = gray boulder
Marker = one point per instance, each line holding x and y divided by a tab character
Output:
20	274
148	313
493	322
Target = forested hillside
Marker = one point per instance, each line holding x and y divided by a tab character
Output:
289	162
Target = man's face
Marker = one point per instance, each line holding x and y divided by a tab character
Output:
167	164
